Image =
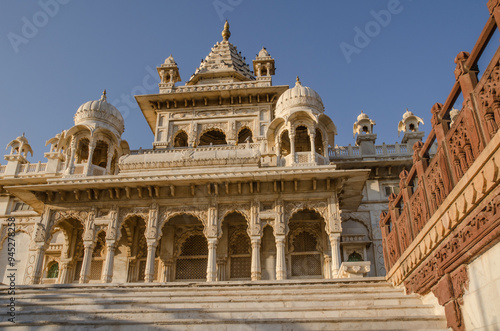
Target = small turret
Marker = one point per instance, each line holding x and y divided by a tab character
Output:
363	128
410	126
263	65
169	73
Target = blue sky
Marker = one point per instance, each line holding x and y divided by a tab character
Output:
82	47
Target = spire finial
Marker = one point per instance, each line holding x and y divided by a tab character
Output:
103	98
225	33
297	83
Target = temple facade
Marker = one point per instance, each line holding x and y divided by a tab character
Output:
244	182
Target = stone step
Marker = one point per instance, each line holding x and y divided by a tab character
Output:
347	323
368	304
375	283
56	295
154	313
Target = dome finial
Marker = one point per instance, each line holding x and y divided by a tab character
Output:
225	33
103	98
298	83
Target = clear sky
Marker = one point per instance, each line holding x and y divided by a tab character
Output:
58	54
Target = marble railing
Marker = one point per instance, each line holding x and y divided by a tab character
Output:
196	149
344	152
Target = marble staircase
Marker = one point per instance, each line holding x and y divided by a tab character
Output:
361	304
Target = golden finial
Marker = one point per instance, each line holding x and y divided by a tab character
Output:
225	33
297	83
103	98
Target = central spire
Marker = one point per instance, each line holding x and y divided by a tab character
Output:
225	33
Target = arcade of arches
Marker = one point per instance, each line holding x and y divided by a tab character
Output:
184	249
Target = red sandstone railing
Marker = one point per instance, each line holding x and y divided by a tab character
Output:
460	140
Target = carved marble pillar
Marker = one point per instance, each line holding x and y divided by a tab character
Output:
327	266
313	147
150	261
221	269
39	255
108	163
63	274
71	162
87	259
91	155
292	145
168	266
280	257
107	272
336	260
212	262
256	270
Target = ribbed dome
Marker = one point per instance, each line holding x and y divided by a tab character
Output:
263	52
299	96
100	111
363	116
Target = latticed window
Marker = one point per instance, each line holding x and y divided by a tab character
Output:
304	242
305	258
95	270
240	253
193	259
195	245
53	271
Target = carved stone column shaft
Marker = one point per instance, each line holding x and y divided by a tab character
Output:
256	269
336	260
87	259
107	273
150	262
280	257
212	260
39	255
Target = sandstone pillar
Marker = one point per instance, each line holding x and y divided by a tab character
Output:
313	148
212	260
91	155
336	260
39	255
150	262
328	266
280	257
63	274
221	269
71	162
107	273
292	146
87	259
108	163
256	270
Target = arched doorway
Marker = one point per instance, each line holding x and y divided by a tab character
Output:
213	137
183	249
302	140
244	135
181	139
234	251
306	245
268	254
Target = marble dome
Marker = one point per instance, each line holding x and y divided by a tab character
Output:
299	96
100	111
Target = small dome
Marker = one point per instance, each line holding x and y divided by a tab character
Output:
100	111
363	116
263	53
169	60
407	114
299	96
